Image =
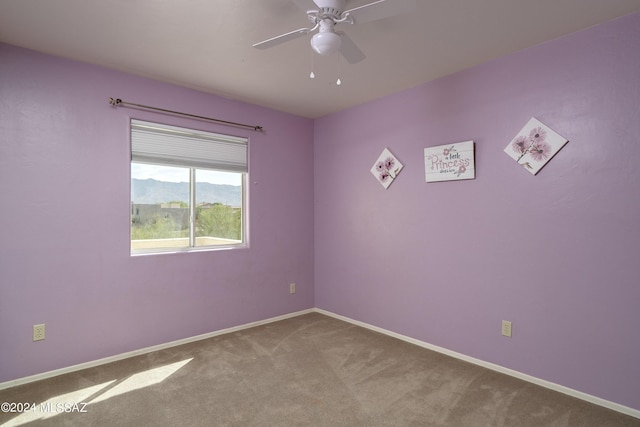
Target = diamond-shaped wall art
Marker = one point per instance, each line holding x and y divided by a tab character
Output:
535	145
386	168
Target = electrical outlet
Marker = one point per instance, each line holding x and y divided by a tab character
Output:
506	328
38	332
292	288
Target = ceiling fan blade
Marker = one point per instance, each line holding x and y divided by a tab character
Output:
274	41
380	9
349	50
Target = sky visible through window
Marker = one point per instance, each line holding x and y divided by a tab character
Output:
175	174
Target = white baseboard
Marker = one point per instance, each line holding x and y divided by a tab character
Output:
115	358
547	384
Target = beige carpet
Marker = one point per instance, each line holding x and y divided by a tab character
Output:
310	370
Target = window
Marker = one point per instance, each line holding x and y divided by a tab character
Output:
187	189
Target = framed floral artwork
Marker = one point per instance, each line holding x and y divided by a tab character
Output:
386	168
450	162
535	145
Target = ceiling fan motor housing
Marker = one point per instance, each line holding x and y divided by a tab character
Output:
329	13
335	6
332	10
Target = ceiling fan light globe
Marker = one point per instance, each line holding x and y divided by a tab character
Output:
326	43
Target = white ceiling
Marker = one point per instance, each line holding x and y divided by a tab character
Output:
207	44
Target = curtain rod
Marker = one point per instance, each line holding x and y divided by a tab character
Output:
117	102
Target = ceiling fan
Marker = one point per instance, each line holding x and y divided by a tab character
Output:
328	14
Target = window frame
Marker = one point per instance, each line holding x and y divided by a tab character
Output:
244	231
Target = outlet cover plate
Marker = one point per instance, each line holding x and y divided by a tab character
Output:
506	328
38	332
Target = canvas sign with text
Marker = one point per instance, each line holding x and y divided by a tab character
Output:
450	162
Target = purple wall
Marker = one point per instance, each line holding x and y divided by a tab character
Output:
556	254
64	251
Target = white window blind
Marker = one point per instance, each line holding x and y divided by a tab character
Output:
175	146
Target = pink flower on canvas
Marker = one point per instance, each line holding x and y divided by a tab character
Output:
380	166
537	134
384	176
389	163
462	169
520	144
540	151
448	151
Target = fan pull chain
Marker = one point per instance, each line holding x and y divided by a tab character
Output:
312	75
338	82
